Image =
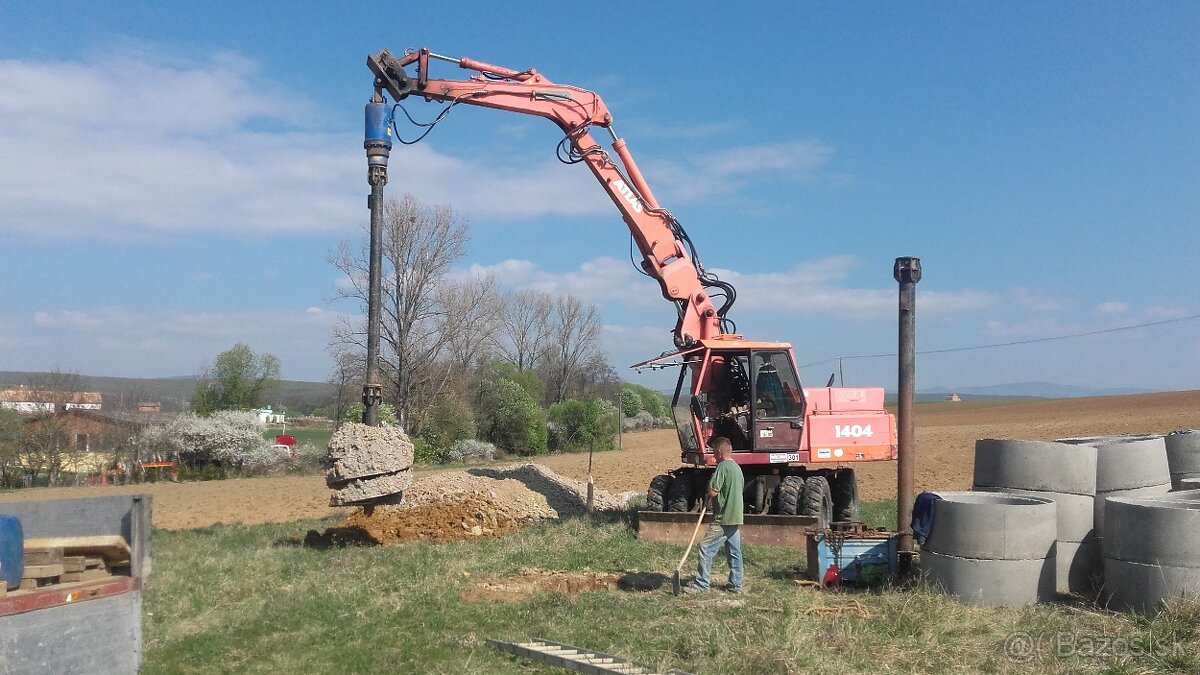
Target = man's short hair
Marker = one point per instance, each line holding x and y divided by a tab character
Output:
722	445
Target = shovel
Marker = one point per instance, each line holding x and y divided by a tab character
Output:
676	585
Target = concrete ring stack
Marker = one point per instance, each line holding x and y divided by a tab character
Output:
1183	456
992	549
1149	559
1063	473
1127	466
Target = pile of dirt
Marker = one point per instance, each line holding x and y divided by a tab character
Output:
468	504
530	580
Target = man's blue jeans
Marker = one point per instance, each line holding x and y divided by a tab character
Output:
731	538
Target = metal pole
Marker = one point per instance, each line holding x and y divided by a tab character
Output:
907	272
378	145
372	388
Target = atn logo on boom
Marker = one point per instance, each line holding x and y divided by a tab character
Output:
627	193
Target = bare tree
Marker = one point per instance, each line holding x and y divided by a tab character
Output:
471	316
573	346
346	379
47	443
420	246
525	327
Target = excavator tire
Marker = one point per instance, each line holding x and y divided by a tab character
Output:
658	488
816	500
844	487
787	499
679	494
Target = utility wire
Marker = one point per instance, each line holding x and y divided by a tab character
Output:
1010	344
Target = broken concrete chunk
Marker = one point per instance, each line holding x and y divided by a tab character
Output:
367	489
359	451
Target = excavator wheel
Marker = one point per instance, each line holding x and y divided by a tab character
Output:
844	487
658	488
679	494
816	500
787	498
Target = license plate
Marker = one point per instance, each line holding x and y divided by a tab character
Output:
784	457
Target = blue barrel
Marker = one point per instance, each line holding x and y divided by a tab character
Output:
12	551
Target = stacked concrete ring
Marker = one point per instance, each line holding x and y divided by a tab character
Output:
1060	472
1183	456
1148	559
992	549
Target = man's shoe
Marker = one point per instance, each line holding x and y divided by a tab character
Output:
738	590
693	590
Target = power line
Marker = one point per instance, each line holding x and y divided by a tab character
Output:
1013	343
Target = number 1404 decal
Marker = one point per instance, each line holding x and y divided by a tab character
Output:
852	431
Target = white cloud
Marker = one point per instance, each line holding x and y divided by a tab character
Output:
813	287
1112	308
132	144
119	341
1159	312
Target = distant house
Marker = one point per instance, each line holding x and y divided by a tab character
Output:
953	398
88	441
268	416
25	400
150	407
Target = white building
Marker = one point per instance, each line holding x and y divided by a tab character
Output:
25	400
268	416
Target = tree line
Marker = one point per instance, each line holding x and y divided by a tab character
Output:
462	359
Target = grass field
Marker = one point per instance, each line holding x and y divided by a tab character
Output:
317	437
235	598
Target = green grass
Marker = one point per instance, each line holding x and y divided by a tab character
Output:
250	599
317	437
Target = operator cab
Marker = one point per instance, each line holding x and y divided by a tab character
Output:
747	392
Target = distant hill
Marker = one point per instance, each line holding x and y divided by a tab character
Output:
174	393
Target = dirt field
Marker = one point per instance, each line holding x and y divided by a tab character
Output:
945	434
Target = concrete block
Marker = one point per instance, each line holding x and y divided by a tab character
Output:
1153	531
1079	567
1130	464
1138	587
1183	451
1102	497
367	489
991	583
1076	513
1035	465
361	451
993	526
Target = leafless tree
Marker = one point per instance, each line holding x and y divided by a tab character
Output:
572	347
420	245
346	379
47	443
525	327
471	319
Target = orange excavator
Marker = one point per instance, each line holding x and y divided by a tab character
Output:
793	444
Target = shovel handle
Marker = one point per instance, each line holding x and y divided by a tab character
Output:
692	541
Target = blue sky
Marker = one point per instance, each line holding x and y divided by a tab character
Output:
172	177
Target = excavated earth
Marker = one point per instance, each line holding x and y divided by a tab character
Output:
467	504
530	580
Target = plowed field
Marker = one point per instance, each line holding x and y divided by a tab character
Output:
945	436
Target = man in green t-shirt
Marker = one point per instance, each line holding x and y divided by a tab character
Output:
725	492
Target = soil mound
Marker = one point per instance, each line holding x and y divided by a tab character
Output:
467	504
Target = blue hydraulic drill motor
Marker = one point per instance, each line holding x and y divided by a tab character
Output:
378	143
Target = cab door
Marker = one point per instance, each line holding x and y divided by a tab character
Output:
777	405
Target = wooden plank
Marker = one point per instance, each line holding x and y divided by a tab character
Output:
43	556
85	575
111	546
74	563
42	571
